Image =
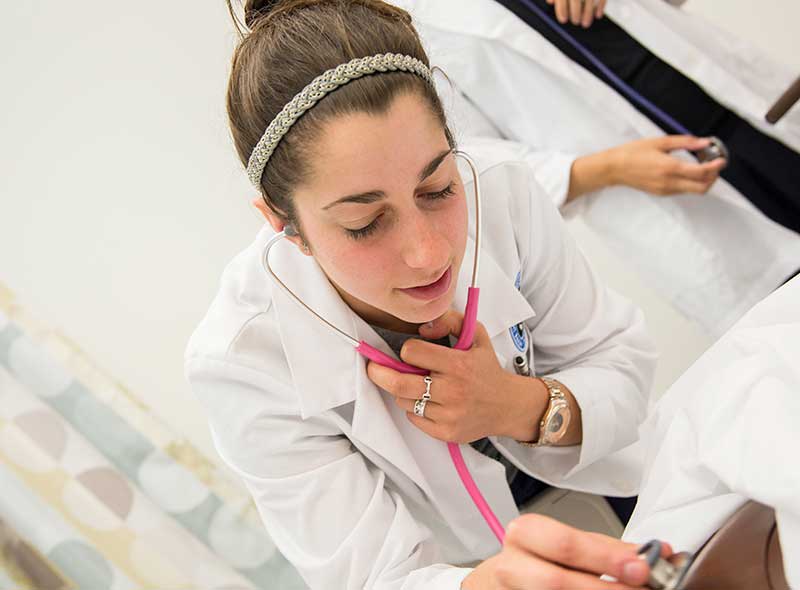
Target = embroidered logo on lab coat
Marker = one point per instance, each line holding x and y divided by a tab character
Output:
518	334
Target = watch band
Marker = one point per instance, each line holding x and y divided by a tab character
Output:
556	414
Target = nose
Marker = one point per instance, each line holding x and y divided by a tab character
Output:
424	246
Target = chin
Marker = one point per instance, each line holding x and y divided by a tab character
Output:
426	311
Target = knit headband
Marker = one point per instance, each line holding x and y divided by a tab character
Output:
319	87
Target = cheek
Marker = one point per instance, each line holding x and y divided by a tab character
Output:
456	226
361	269
369	270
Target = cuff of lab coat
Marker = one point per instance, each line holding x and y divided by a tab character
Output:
552	171
598	417
557	465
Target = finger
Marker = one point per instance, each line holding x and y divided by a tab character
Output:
688	186
556	542
429	427
562	11
520	570
427	355
397	383
433	411
588	14
481	338
600	9
448	323
670	143
441	357
700	172
575	11
550	2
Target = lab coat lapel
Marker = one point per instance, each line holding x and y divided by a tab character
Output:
501	305
323	366
327	371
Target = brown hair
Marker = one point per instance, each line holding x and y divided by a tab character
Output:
290	43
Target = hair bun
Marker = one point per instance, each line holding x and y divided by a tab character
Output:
256	9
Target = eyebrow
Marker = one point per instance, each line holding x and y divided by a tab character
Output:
372	196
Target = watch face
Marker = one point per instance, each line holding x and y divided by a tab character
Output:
557	422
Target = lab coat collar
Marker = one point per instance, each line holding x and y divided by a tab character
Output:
326	370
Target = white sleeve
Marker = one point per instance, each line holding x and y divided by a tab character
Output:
551	168
552	171
595	342
325	506
746	426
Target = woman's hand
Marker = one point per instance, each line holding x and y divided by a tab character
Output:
471	395
647	165
540	553
578	12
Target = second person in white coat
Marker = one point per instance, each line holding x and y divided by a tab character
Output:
711	257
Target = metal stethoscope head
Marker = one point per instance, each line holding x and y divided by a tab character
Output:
289	232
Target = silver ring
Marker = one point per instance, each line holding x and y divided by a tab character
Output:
419	407
427	395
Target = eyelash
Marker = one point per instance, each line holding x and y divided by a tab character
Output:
366	231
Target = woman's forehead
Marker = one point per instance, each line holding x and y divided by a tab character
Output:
358	152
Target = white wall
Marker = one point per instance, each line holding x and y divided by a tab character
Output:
770	25
121	198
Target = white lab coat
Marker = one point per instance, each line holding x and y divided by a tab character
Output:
726	432
712	257
352	493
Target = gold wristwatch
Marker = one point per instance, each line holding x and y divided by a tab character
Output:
555	421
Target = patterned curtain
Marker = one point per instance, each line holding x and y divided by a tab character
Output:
96	493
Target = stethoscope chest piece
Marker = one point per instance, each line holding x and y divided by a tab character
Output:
664	574
716	149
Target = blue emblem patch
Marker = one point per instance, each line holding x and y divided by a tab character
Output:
518	334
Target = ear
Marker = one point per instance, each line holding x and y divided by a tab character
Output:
278	223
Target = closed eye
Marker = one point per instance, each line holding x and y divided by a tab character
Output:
442	194
363	232
367	230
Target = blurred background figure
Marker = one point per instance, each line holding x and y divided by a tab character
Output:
600	154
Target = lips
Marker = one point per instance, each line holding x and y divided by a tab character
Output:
433	290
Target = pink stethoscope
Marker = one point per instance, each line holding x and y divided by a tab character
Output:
464	343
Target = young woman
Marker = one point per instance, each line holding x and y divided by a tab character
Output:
346	462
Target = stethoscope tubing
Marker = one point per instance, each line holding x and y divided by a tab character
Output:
620	84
